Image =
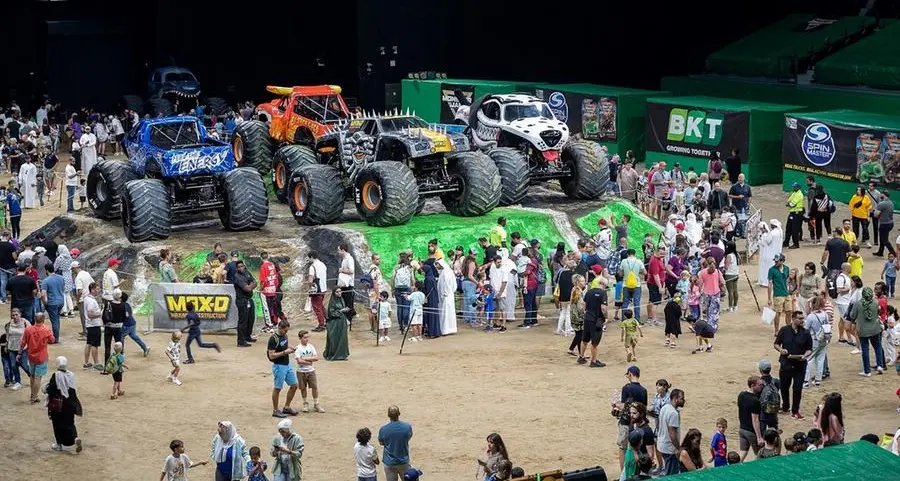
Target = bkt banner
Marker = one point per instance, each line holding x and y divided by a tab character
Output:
695	132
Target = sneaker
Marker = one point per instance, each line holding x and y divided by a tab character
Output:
524	326
169	377
855	351
147	352
806	385
868	245
317	408
502	329
597	364
818	383
98	367
797	416
189	361
880	370
305	407
318	329
176	381
56	447
278	414
7	384
865	374
386	338
413	339
843	341
215	346
581	360
16	386
87	366
289	411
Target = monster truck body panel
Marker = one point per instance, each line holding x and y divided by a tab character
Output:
303	114
176	147
173	81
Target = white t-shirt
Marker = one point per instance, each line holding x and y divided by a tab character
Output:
176	468
346	280
110	283
384	315
305	351
174	349
82	282
365	460
71	176
517	250
843	282
90	304
318	271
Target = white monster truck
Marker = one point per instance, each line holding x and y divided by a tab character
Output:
528	144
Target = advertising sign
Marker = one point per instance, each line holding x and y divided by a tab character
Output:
592	117
844	152
212	302
450	99
694	131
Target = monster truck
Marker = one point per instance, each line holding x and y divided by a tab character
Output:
171	90
387	165
174	168
529	145
299	116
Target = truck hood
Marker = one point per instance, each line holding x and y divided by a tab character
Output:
186	88
422	142
210	159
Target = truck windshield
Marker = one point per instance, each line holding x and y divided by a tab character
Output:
320	108
400	123
175	135
523	111
180	77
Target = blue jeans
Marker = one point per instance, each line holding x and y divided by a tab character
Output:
13	365
70	198
53	312
195	336
27	310
468	288
613	187
530	307
402	306
131	331
891	282
4	277
879	352
630	296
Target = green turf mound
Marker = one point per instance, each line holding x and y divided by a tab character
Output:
640	223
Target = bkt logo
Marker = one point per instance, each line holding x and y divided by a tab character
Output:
558	106
695	127
818	144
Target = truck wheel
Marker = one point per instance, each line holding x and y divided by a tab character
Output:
157	107
602	158
287	159
480	179
246	205
145	210
421	206
105	185
386	194
217	105
589	177
252	146
515	175
316	194
132	102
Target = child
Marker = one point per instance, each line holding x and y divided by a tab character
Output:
256	469
790	445
306	356
383	307
82	192
801	442
114	365
684	287
891	326
770	450
814	436
416	305
704	333
366	456
173	350
889	274
630	330
856	261
718	447
193	330
672	312
619	294
176	465
694	298
630	467
504	468
734	457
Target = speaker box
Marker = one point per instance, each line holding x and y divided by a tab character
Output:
391	96
588	474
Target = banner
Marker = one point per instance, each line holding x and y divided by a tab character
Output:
450	99
844	152
591	116
694	131
214	303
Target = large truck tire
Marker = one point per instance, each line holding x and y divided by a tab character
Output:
246	204
217	106
603	158
105	185
590	176
386	193
481	182
515	175
316	194
132	102
288	159
146	214
160	107
252	146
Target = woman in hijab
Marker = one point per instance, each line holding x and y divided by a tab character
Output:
230	453
692	229
287	449
433	300
868	329
447	285
767	252
62	406
63	267
337	345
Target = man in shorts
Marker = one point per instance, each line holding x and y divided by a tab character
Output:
595	300
656	274
306	355
279	353
93	320
779	297
750	429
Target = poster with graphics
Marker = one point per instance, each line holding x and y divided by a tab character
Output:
451	97
839	151
593	117
694	131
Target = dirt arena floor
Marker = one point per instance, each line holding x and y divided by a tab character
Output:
552	413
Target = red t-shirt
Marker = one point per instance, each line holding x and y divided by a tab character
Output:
531	282
657	268
268	277
35	339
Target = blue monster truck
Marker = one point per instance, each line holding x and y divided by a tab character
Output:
171	90
175	168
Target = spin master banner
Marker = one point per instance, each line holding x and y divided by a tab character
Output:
845	152
450	99
593	117
695	131
212	302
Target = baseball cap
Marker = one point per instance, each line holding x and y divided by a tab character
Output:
40	249
634	371
412	474
679	226
765	365
74	252
601	222
795	185
113	262
597	268
779	257
76	264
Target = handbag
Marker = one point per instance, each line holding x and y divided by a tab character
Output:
55	404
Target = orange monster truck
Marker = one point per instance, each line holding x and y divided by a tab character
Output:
286	128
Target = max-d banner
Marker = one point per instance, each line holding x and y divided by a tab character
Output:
845	152
452	95
214	303
695	131
591	116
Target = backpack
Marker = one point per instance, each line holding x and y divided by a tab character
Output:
112	364
631	279
831	282
770	398
717	166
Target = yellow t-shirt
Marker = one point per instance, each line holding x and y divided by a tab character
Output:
848	236
630	326
856	266
497	236
861	212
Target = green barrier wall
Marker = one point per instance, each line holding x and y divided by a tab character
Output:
639	225
762	156
873	61
424	96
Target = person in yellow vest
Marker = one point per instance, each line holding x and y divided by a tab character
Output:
847	233
860	206
497	235
795	217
